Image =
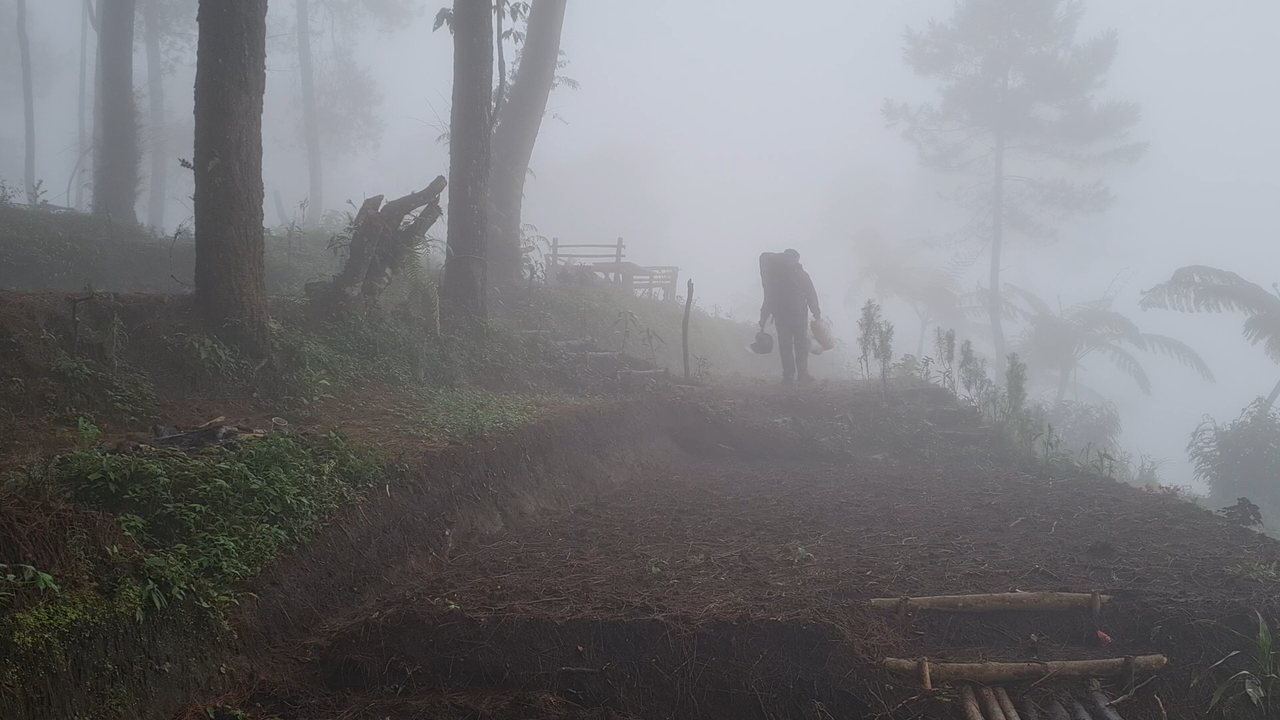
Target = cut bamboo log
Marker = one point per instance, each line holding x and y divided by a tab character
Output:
1078	711
996	672
970	703
1102	707
996	602
1029	710
990	705
1057	712
1006	705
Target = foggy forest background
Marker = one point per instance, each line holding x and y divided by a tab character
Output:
706	133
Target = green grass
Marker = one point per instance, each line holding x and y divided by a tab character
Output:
191	529
462	414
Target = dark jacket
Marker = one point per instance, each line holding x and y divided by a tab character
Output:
788	289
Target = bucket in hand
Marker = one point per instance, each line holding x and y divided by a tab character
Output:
822	334
763	344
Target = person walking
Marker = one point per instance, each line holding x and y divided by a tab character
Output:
789	296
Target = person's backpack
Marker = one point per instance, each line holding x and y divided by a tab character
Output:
770	272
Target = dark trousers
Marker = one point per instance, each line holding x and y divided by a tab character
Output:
793	343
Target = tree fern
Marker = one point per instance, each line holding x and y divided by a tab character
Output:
1204	289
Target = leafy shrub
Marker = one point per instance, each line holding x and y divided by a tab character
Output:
1240	458
208	520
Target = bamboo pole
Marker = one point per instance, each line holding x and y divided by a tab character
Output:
1078	711
970	704
996	672
1029	710
996	602
1103	708
990	704
1057	711
1006	705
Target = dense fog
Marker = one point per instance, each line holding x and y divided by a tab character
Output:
706	133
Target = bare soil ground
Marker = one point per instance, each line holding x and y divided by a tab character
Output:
728	585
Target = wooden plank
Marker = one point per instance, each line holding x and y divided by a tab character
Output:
996	672
995	602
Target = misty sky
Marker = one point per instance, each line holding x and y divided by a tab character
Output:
707	132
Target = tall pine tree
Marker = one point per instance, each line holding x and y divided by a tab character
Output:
462	292
231	79
1017	111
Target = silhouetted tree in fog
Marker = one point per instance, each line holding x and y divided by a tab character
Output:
83	100
156	178
161	20
1199	288
311	128
518	121
28	103
1017	94
1058	341
115	167
464	285
231	78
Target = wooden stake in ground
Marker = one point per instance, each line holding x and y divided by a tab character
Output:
997	602
684	330
994	673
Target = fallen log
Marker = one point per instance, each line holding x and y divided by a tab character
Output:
995	602
997	672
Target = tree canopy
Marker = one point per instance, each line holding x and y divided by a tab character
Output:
1017	94
1059	341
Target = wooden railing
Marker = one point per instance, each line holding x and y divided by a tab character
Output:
560	257
610	261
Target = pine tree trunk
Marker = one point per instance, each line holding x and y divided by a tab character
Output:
517	133
1064	379
95	136
311	128
115	174
159	154
464	286
231	78
28	104
997	243
81	113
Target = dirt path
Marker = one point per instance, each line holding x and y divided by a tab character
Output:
728	589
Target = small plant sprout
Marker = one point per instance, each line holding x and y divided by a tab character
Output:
799	556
